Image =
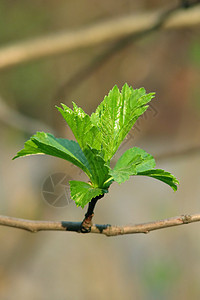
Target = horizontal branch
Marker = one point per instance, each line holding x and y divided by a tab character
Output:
108	230
102	32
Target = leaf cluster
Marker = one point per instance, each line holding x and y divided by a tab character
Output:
98	138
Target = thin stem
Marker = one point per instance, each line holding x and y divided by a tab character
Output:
87	221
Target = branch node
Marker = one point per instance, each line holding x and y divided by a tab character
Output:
86	224
186	219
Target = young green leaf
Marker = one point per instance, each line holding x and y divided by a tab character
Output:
131	162
136	161
82	192
84	131
122	173
46	143
162	176
98	168
116	115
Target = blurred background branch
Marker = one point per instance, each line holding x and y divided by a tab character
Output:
15	119
190	150
163	16
103	32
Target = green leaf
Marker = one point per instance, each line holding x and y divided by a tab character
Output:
98	168
136	161
46	143
131	162
84	131
162	176
116	115
82	192
121	173
90	161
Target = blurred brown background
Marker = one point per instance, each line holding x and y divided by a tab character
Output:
164	264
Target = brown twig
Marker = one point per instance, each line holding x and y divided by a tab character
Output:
108	230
